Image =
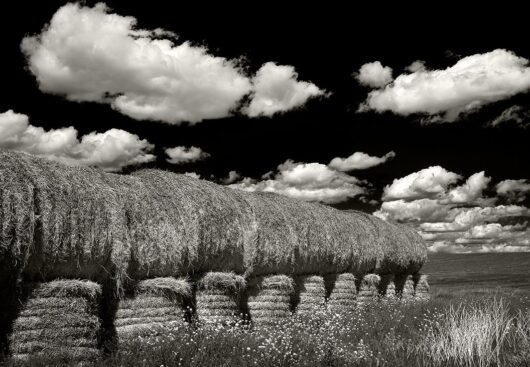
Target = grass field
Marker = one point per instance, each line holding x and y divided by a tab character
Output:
479	317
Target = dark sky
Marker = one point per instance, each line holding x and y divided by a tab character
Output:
325	44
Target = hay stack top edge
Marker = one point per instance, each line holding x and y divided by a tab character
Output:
78	222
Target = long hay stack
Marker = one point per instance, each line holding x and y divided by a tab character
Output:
343	297
421	292
218	297
60	221
407	288
59	320
157	304
269	300
312	294
368	290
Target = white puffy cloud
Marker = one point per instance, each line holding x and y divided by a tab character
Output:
276	89
181	155
470	191
111	150
427	183
514	190
232	177
443	95
193	175
308	182
374	74
414	211
359	160
517	114
90	54
417	65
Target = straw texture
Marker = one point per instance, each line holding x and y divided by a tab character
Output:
368	291
343	297
218	297
422	290
312	294
407	288
269	299
59	320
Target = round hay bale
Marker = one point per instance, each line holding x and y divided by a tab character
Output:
407	288
269	299
218	297
422	290
343	297
59	320
157	304
368	291
312	294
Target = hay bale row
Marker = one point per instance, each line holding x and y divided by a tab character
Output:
343	296
218	297
59	320
269	299
60	221
312	294
157	304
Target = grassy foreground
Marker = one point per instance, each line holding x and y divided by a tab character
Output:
483	330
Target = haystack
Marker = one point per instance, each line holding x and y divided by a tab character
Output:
422	290
343	297
60	221
368	290
387	287
59	320
218	297
406	287
269	299
157	304
312	294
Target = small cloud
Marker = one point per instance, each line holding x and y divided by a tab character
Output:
374	74
232	177
515	114
514	190
182	155
359	160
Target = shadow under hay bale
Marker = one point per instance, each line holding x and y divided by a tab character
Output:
218	298
368	290
405	287
59	320
312	294
157	305
422	290
343	297
269	299
387	287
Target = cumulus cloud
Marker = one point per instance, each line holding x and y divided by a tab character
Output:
193	175
111	150
427	183
457	218
308	182
359	160
276	89
514	190
374	74
181	155
232	177
91	54
516	114
443	95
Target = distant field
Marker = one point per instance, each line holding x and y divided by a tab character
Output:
464	275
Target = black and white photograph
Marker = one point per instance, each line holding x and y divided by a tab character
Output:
268	184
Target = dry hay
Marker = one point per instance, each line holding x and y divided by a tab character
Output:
422	290
406	287
387	287
60	221
59	320
368	290
312	294
269	299
343	297
157	304
218	297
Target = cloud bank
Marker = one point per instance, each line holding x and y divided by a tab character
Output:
111	150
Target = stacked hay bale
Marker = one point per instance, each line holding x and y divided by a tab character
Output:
343	297
407	288
157	304
368	291
218	297
388	287
312	294
59	320
269	300
421	292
